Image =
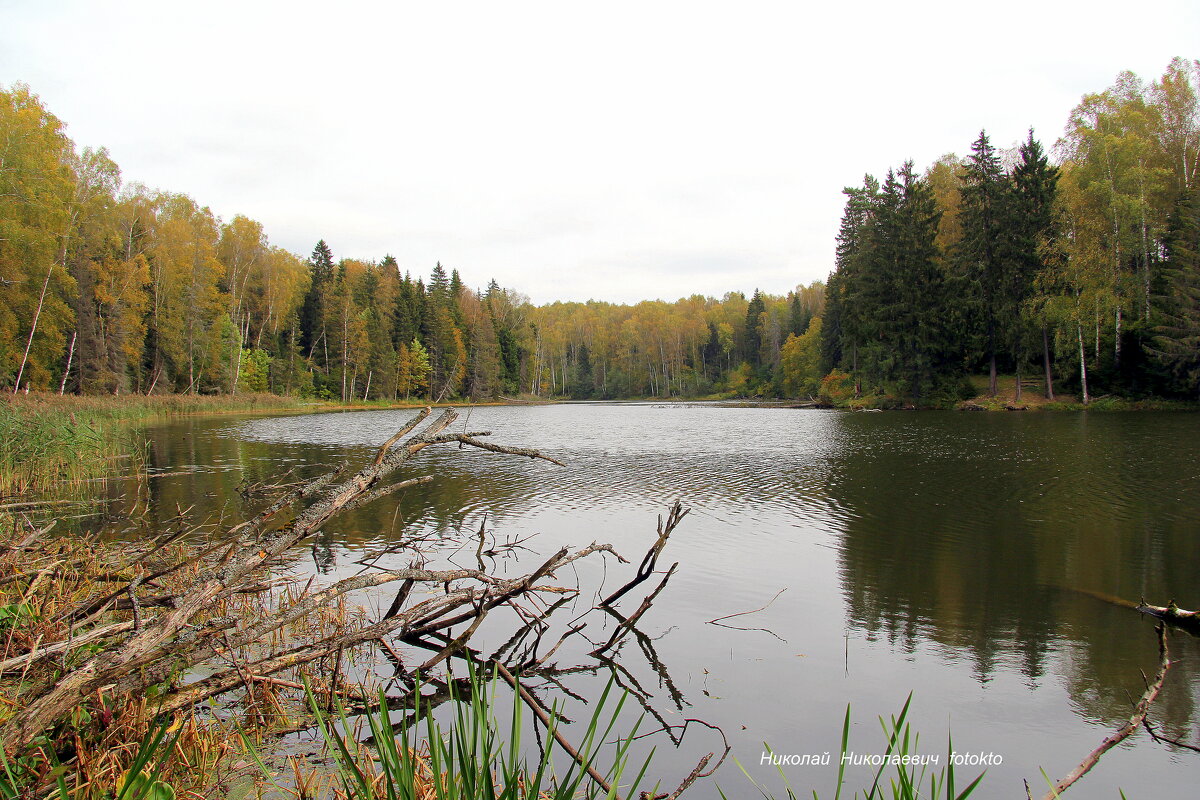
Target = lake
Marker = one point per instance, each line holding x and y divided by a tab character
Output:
955	556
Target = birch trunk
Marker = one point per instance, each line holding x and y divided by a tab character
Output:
33	327
62	388
1082	367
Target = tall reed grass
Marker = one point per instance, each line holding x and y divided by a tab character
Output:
50	442
911	777
470	760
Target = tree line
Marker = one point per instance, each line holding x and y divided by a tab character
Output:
116	289
1084	270
1079	268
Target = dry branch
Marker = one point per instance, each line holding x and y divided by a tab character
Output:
156	648
1118	736
646	568
627	624
170	611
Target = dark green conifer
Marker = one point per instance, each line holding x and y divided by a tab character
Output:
1176	344
984	252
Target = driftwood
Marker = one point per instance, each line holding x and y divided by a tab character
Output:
1174	615
1118	736
153	625
168	644
1171	614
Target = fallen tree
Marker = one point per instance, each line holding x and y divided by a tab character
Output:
165	613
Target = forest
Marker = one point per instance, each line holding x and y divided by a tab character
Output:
1074	269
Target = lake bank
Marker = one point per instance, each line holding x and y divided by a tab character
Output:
50	441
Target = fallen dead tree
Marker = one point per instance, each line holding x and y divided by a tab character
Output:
1174	615
161	615
1171	614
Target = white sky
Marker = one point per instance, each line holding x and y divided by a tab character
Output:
610	150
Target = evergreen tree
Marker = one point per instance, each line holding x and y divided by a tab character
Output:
847	307
1176	344
831	329
983	251
406	312
1034	187
924	341
752	336
439	285
798	315
312	312
583	382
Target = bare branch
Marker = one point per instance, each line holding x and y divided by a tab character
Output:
1118	736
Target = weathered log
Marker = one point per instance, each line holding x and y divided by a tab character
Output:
1174	615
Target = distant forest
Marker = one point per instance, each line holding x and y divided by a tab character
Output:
1077	269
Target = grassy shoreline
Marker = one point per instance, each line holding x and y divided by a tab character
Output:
48	441
839	395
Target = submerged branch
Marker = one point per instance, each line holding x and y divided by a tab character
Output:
1118	736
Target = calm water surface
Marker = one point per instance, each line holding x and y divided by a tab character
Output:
945	554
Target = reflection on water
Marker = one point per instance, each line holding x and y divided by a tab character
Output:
945	554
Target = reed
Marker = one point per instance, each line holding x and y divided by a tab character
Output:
470	760
910	778
51	443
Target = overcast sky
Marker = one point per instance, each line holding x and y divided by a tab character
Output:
608	150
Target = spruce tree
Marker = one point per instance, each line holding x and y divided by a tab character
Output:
320	266
1176	344
799	316
906	341
847	308
831	326
924	342
983	250
752	341
1031	218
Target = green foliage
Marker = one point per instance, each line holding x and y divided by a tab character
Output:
800	361
254	375
141	781
911	778
477	758
15	613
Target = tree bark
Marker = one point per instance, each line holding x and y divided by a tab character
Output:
33	328
1118	736
1082	367
62	388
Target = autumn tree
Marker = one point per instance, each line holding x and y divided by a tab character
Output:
37	191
